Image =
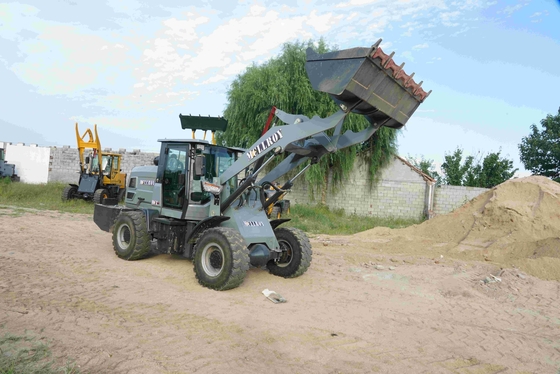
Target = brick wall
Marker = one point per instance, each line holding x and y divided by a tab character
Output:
64	163
401	193
449	198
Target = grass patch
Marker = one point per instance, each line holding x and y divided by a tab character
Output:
26	355
315	219
319	219
40	196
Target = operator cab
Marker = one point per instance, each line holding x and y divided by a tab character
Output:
188	169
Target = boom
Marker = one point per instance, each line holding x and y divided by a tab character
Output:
360	80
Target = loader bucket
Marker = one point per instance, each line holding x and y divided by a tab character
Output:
368	82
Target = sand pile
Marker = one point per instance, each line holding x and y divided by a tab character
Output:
516	223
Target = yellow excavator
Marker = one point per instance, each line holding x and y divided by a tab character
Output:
101	179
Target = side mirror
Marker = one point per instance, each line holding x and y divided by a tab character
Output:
156	160
200	166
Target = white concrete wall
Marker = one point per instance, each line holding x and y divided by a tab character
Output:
31	161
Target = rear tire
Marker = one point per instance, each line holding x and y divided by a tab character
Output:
131	240
221	259
296	253
99	195
69	193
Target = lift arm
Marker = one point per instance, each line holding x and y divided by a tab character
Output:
365	81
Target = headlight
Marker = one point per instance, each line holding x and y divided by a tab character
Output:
212	188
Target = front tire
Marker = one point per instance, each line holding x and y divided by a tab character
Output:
69	193
99	195
221	259
131	240
296	253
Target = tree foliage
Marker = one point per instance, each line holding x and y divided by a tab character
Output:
283	82
454	169
488	172
540	150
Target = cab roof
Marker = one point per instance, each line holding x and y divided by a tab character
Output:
199	141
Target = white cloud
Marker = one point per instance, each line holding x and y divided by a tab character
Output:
510	9
224	51
420	46
472	4
448	17
352	3
537	16
184	30
66	58
323	23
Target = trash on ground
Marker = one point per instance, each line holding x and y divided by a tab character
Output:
273	296
491	279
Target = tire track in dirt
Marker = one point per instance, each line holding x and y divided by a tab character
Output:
151	316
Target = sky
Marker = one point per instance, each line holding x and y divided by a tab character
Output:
132	66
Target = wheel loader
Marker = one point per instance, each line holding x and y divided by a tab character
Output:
207	203
101	179
7	170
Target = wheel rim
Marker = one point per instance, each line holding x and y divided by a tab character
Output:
287	254
212	259
123	237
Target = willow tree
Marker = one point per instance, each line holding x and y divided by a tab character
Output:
282	82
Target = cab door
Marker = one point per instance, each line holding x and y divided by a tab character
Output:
174	176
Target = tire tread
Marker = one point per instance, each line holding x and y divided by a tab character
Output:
240	258
142	238
306	253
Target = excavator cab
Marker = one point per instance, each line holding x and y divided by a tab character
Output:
101	179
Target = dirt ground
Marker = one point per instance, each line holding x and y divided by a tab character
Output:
476	291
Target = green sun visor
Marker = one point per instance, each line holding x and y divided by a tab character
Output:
204	123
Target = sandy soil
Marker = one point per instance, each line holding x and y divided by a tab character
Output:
457	294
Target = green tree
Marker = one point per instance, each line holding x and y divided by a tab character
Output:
488	172
540	150
454	169
282	82
493	171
